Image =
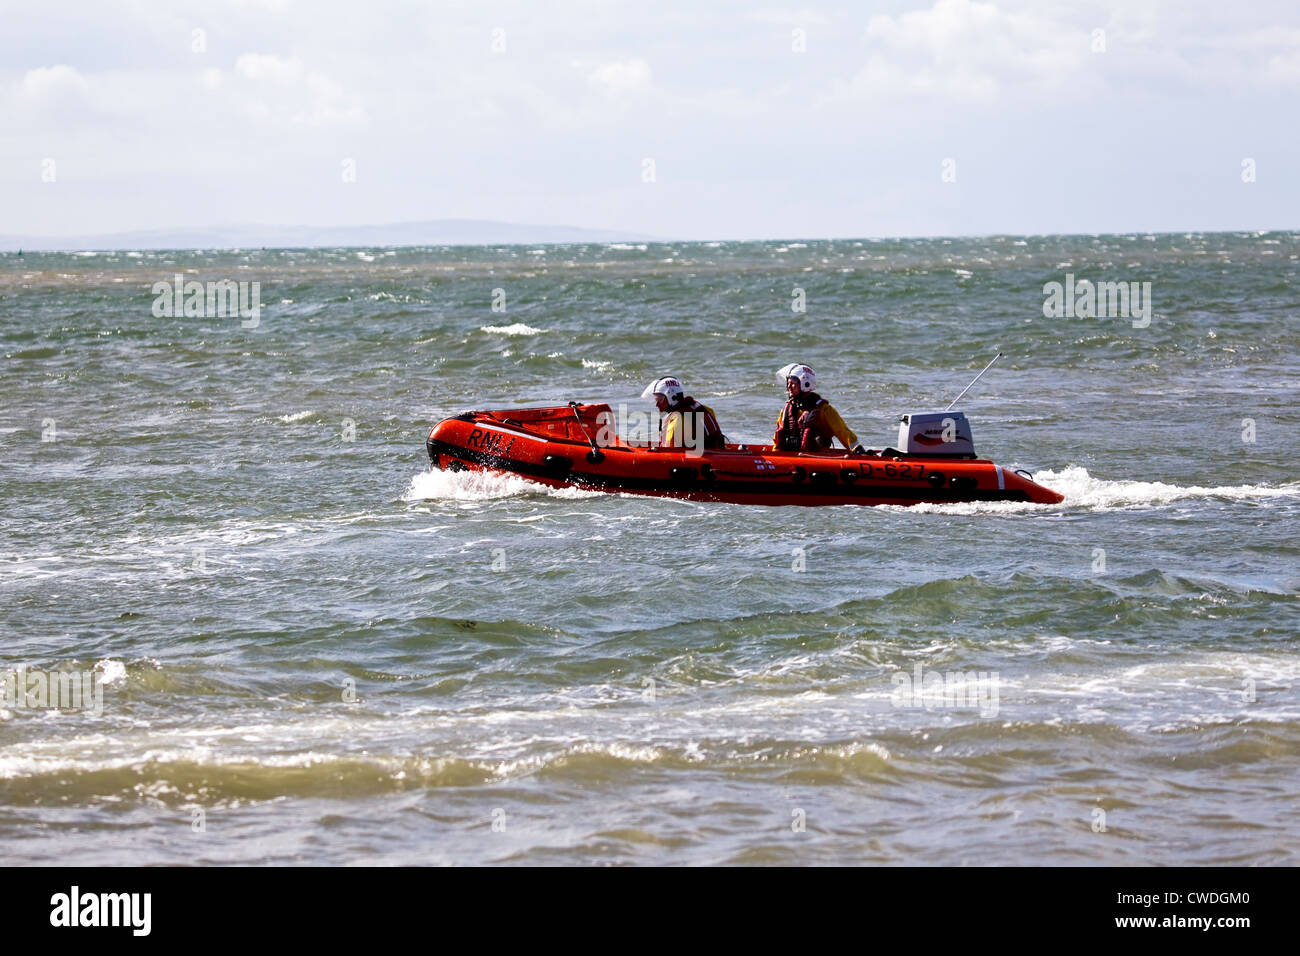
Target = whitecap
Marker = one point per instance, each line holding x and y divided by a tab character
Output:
517	328
113	671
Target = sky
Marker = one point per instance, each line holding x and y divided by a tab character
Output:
690	120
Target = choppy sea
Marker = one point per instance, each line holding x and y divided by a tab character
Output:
309	650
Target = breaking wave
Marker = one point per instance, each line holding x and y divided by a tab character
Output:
517	328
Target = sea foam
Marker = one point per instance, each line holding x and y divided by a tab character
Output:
480	486
1082	490
517	328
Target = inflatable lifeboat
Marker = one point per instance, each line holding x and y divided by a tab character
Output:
575	445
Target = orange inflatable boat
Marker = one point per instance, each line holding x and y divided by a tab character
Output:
574	445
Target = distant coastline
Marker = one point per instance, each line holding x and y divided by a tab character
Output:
436	232
478	232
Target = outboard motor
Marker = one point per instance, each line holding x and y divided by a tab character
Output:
936	434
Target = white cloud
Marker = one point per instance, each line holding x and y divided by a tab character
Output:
1284	69
261	66
789	17
1275	51
286	89
621	76
51	82
973	52
585	91
62	96
969	51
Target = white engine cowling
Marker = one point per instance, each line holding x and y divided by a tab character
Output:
936	433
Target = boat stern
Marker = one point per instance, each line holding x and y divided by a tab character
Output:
1024	483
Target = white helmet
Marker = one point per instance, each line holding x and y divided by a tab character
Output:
669	388
806	376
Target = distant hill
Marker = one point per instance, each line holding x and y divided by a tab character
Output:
434	232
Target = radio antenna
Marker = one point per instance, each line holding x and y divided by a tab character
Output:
972	382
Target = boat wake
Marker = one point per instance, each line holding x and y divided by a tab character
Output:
1082	490
481	486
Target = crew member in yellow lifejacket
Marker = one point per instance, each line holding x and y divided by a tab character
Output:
673	402
809	422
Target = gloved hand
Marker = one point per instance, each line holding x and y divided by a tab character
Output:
858	449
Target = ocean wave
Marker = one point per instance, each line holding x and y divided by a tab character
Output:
111	671
518	328
180	776
296	417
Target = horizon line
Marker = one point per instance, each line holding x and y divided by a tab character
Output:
17	242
